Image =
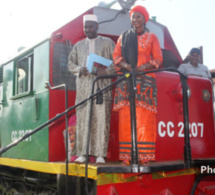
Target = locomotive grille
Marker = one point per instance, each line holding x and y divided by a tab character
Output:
61	73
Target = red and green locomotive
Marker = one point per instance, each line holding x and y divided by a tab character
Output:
37	164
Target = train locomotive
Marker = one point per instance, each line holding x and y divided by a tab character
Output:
36	86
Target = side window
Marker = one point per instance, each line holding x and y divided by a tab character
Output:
23	82
61	73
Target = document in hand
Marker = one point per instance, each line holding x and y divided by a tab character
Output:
95	61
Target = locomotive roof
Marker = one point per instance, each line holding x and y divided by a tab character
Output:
23	52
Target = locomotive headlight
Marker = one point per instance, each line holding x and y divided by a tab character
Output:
206	95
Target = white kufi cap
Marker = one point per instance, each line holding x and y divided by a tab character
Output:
90	17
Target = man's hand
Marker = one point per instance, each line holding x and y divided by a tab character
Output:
84	71
101	71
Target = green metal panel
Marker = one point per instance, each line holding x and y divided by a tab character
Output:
41	68
1	99
25	112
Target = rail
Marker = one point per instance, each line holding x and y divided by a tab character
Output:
48	85
135	167
134	159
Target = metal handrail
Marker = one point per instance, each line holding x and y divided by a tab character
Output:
66	124
124	76
134	154
58	116
187	148
183	79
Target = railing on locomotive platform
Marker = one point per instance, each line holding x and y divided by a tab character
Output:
135	166
134	154
131	77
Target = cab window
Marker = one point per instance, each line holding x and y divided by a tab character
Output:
23	75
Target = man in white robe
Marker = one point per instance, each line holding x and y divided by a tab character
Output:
99	135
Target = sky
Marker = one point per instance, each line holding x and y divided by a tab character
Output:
24	23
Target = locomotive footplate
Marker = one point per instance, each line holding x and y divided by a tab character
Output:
53	174
95	169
